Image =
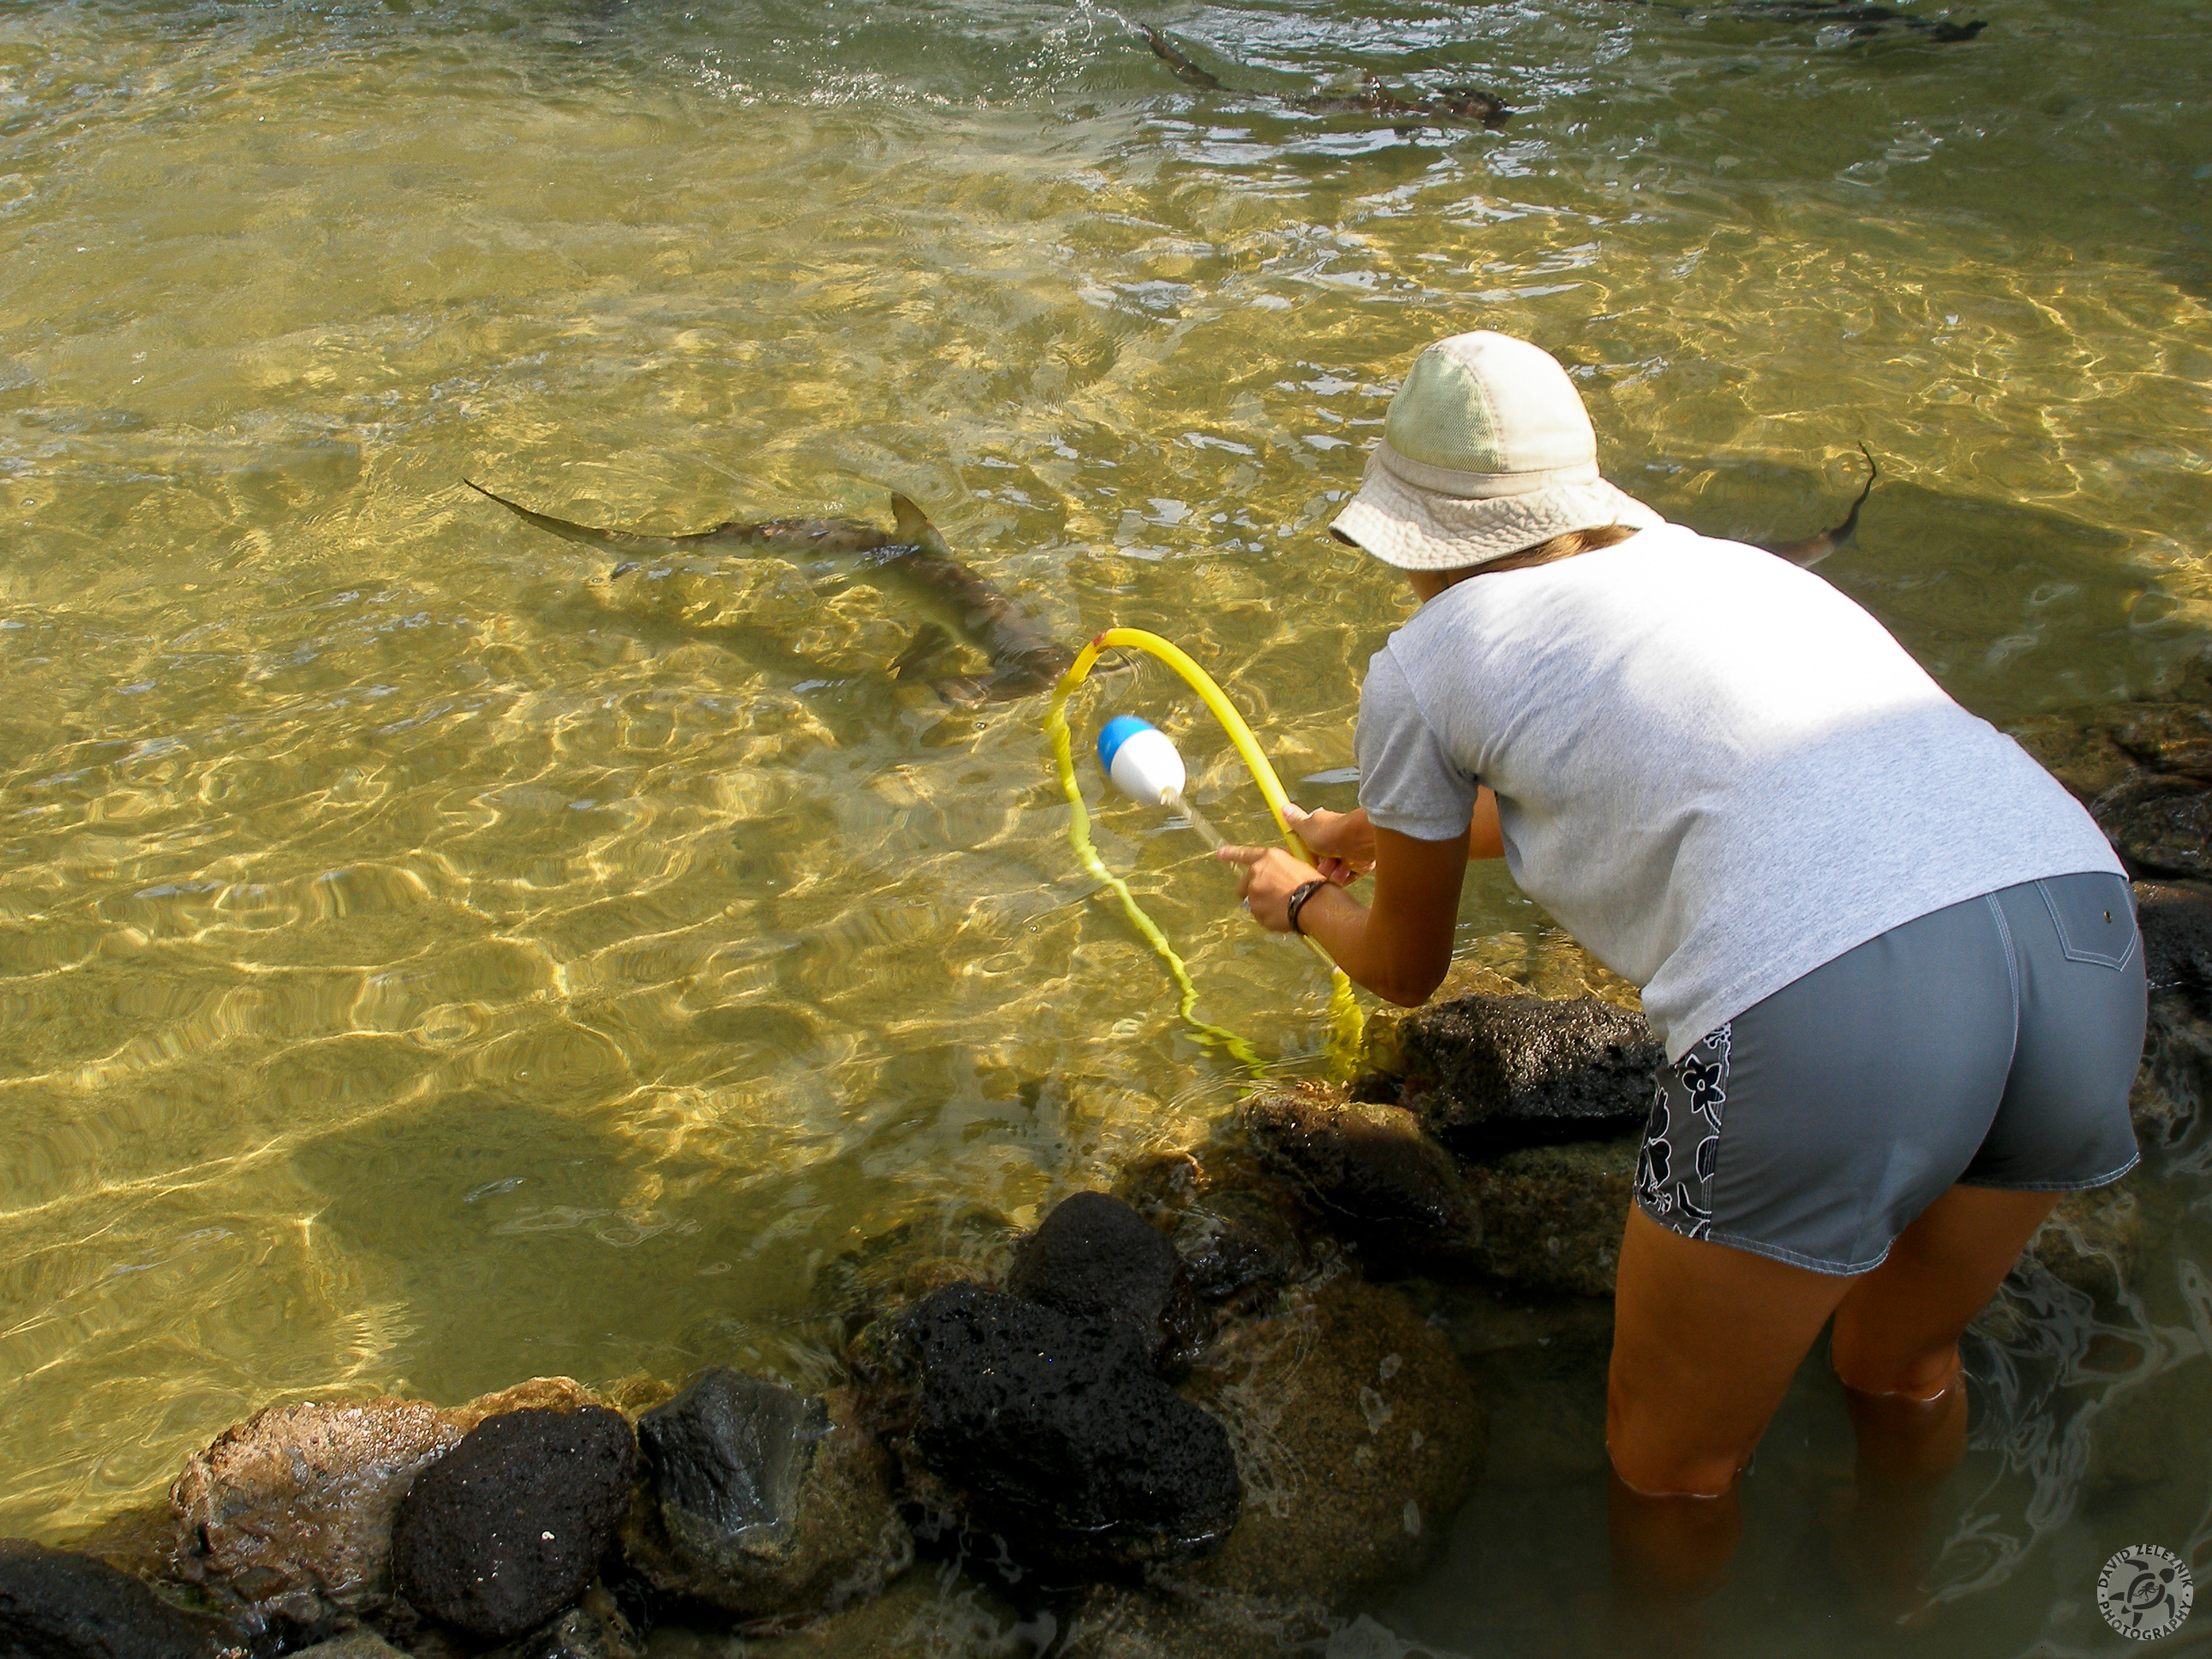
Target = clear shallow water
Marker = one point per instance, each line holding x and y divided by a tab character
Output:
425	961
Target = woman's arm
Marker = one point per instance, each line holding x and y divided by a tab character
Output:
1344	842
1400	947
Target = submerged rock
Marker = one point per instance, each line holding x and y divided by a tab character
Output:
354	1644
1486	1073
763	1502
507	1527
56	1604
1553	1215
290	1512
1237	1248
1095	1258
1357	1434
1370	1168
1059	1436
595	1629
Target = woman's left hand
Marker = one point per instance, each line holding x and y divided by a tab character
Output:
1266	878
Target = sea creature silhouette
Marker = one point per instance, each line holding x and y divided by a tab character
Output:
1454	104
1860	19
1814	548
912	557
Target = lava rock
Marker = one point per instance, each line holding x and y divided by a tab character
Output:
1061	1436
508	1528
354	1644
763	1502
1237	1250
56	1604
1553	1215
1356	1435
1485	1073
1095	1258
1372	1168
2177	934
2161	824
290	1512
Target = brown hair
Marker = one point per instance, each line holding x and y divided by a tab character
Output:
1559	547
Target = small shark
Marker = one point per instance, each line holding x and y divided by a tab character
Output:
1466	104
912	556
1861	19
1815	548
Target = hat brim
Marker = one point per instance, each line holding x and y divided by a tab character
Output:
1416	529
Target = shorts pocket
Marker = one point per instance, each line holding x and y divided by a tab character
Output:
2095	921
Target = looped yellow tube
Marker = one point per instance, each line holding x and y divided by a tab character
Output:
1345	1021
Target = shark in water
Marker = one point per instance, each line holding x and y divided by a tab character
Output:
1817	547
1454	106
911	557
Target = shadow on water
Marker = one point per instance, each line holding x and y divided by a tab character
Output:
535	1242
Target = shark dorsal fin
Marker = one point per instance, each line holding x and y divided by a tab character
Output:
913	525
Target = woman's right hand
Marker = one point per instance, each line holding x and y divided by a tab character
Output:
1342	843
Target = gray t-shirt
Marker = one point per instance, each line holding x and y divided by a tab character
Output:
1713	768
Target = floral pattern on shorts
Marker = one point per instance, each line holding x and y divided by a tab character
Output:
1683	1140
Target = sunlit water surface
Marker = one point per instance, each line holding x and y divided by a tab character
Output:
428	959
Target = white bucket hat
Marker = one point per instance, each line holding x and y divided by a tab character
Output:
1487	449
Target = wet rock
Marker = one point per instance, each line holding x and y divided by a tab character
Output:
763	1502
2177	931
925	1614
1094	1258
290	1512
1486	1074
1356	1435
2100	1242
1237	1250
1059	1435
355	1644
1553	1215
507	1527
2161	824
1372	1168
595	1629
898	1266
1114	1621
56	1604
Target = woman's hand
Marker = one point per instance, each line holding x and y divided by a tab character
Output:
1342	843
1266	878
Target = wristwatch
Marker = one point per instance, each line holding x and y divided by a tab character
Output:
1298	902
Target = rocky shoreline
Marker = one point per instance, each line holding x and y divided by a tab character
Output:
1196	1414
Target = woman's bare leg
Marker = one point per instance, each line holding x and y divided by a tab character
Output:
1705	1341
1896	1349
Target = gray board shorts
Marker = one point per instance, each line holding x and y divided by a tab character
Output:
1992	1043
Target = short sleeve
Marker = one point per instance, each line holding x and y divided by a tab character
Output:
1406	781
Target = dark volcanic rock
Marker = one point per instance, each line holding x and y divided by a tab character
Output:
2161	824
762	1502
55	1604
1095	1258
508	1528
290	1512
1370	1168
1487	1073
2177	934
1237	1248
1060	1434
2176	1074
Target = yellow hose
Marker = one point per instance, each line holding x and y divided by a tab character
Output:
1343	1010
